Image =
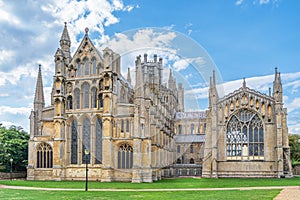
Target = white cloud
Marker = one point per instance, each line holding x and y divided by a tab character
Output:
8	124
294	129
6	55
4	110
293	105
6	16
96	15
183	63
264	1
238	2
256	2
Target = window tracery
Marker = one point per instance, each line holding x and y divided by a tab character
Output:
245	136
125	156
44	156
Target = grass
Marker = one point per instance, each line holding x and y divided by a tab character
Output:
49	195
166	183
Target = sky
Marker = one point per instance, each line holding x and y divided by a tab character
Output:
236	38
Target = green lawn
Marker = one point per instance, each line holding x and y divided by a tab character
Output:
49	195
166	183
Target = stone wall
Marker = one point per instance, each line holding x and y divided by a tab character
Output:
14	175
296	170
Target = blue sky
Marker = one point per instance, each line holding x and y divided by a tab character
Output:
240	38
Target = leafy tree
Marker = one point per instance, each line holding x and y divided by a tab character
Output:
294	142
13	144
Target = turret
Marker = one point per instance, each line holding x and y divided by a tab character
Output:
213	93
139	83
180	98
277	87
65	42
171	81
128	76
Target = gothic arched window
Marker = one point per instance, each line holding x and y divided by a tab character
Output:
74	142
122	98
78	68
192	161
179	129
86	139
98	141
69	102
44	156
122	125
178	148
77	98
127	125
192	128
100	97
125	157
245	136
192	148
86	66
86	95
94	98
94	66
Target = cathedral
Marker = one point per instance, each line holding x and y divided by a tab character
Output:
141	133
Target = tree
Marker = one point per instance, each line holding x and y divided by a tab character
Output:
13	144
294	142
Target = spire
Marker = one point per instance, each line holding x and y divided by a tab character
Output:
213	93
277	76
214	77
139	80
128	76
171	81
244	83
65	42
39	93
277	87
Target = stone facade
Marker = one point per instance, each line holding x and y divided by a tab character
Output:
141	133
247	134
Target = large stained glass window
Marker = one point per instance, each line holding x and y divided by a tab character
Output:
245	136
98	141
86	139
74	142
